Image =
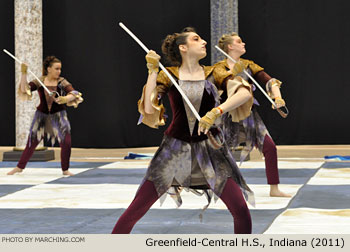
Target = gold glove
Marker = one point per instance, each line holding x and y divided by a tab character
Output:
62	99
279	102
24	68
237	68
209	119
152	59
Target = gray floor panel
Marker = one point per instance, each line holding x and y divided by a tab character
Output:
103	176
7	189
336	165
323	196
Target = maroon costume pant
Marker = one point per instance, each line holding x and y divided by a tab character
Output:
30	148
147	196
270	154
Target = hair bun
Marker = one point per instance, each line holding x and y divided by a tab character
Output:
48	61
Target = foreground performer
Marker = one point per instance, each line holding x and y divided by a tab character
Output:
50	118
252	131
186	158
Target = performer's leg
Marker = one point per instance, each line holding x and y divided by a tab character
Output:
26	155
270	154
233	198
65	154
144	199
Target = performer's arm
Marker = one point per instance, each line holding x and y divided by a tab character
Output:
150	86
152	59
149	106
272	87
240	97
24	83
238	104
65	99
24	90
73	97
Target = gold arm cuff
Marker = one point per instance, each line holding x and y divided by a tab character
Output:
244	110
272	83
78	99
157	118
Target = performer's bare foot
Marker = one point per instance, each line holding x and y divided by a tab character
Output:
276	192
68	173
14	171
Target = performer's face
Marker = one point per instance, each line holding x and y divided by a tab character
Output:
55	70
195	46
237	46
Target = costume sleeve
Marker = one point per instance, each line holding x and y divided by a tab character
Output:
255	68
227	82
221	75
243	111
31	86
68	89
157	118
268	81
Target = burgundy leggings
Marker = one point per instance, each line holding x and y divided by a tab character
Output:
147	196
270	154
30	148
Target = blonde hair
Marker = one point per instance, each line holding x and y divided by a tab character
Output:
225	40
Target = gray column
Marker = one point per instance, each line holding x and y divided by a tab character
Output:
224	19
29	49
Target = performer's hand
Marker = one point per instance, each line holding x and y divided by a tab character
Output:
237	68
208	120
61	100
24	68
152	59
279	103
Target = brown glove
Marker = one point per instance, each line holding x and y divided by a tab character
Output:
209	119
279	102
152	59
62	99
237	68
24	68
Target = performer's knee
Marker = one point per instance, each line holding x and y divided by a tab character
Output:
269	145
67	141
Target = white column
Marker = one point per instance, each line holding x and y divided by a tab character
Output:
224	19
29	49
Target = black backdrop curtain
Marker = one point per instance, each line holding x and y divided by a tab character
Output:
302	43
305	44
108	67
7	74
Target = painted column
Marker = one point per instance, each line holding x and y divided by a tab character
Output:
224	19
29	49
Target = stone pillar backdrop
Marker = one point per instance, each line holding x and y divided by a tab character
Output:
29	49
223	19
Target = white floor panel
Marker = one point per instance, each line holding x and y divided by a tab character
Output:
311	221
340	176
34	176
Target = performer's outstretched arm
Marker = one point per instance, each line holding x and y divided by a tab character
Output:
240	97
